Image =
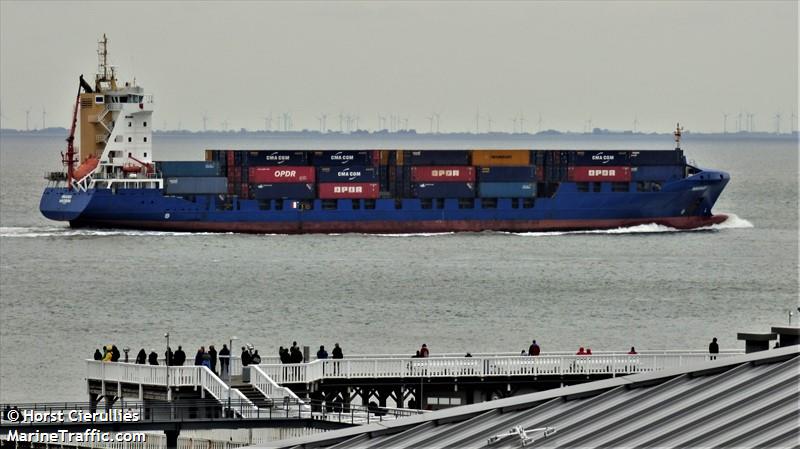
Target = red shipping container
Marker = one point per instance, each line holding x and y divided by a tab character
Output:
230	188
278	174
231	158
600	173
352	190
459	173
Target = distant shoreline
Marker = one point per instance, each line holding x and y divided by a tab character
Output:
412	134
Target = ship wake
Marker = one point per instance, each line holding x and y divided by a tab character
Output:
733	222
64	231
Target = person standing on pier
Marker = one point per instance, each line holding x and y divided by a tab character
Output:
97	355
141	357
153	358
198	358
322	354
713	349
534	349
114	353
169	357
179	358
424	352
212	352
337	352
245	356
224	360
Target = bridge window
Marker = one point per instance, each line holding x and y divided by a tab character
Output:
356	204
398	204
466	203
145	155
528	203
130	124
98	99
145	139
426	203
129	139
488	203
440	203
582	186
597	186
144	124
515	203
369	204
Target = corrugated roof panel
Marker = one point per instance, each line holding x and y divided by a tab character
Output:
660	405
759	395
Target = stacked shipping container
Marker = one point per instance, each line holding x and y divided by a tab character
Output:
418	173
346	175
192	177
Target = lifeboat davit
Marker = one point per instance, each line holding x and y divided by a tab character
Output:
88	166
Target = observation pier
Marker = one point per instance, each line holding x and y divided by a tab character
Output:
334	393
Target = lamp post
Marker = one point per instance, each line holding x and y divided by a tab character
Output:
126	350
230	369
166	362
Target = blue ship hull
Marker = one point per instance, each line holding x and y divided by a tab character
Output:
682	204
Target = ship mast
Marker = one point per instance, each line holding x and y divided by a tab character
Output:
677	134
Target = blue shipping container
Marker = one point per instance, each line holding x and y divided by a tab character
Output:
593	158
436	157
262	158
326	158
348	173
292	191
507	189
178	169
443	190
659	157
507	174
195	185
657	173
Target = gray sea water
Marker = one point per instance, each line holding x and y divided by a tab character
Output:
64	293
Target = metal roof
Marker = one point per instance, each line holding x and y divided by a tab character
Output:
747	401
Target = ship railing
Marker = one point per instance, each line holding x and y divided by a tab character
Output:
494	366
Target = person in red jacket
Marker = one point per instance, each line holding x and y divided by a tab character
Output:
581	351
534	349
423	352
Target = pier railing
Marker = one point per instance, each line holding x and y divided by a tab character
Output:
173	376
613	364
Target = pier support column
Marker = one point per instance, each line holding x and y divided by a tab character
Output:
172	438
93	400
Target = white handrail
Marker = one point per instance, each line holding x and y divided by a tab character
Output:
263	383
179	376
396	367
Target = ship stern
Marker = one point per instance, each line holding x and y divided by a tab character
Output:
63	204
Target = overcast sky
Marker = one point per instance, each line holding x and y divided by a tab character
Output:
569	62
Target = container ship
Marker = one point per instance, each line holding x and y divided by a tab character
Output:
111	180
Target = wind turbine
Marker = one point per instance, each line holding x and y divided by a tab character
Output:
205	121
778	123
540	122
635	124
489	123
44	115
430	119
724	123
27	119
522	122
438	121
514	120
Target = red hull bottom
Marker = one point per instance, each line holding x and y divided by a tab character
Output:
404	227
